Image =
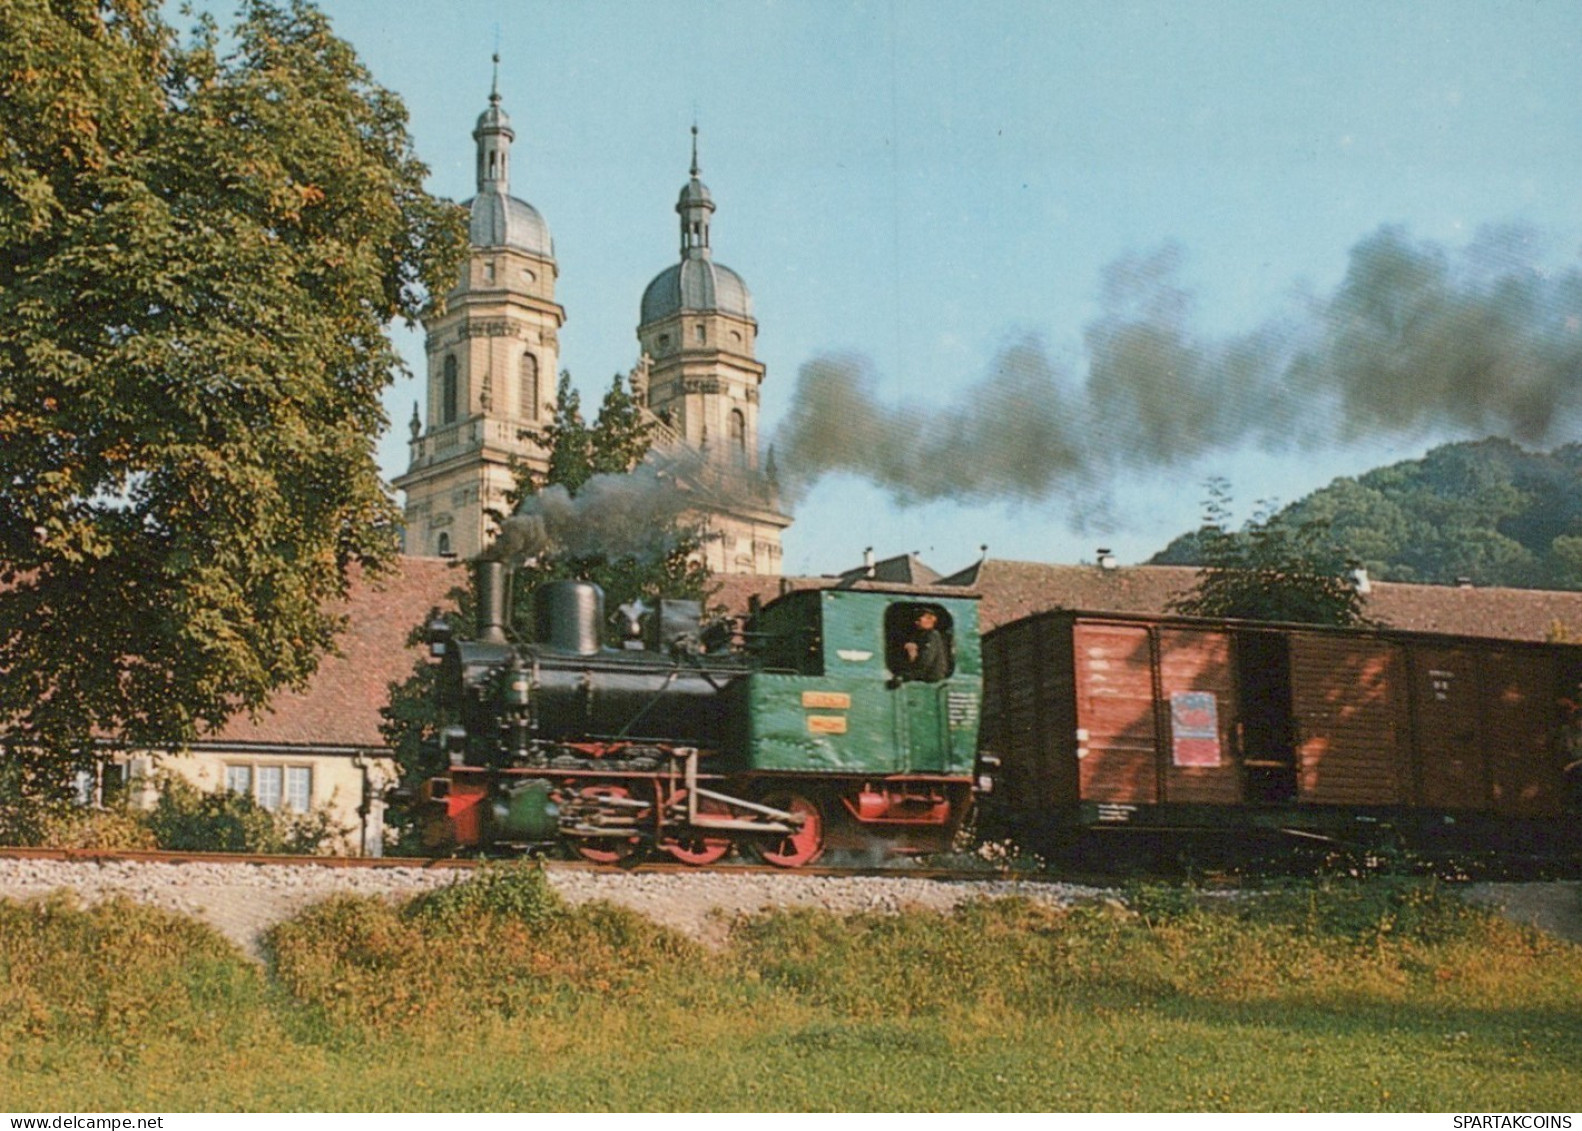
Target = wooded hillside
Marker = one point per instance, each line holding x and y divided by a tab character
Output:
1489	511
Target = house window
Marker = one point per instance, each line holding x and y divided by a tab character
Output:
447	395
488	272
271	783
444	545
299	788
273	787
702	334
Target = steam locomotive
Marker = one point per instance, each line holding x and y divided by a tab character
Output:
799	734
810	730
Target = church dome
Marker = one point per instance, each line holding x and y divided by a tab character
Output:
696	286
499	220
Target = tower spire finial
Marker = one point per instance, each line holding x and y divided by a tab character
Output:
695	169
494	136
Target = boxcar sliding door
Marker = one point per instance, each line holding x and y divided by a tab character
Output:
1452	772
1347	711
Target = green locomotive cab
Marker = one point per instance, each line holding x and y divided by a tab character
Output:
867	682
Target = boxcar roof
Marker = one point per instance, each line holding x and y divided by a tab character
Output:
1012	590
1378	632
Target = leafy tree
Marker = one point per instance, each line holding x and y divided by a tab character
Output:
570	443
1270	570
618	440
201	247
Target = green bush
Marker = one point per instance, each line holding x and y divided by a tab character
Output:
186	819
521	892
132	983
503	941
111	829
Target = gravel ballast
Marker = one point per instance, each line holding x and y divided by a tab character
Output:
244	900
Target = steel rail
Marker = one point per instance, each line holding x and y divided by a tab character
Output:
648	866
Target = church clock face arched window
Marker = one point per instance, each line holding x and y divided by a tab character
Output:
448	391
529	386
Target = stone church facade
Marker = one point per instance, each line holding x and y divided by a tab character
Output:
493	357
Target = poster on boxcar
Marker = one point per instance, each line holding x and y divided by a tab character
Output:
1194	728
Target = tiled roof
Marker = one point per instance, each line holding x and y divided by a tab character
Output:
1010	590
340	707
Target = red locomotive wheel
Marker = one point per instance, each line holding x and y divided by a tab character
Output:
802	847
610	849
695	848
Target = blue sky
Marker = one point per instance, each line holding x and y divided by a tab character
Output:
916	186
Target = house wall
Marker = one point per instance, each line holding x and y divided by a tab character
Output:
337	783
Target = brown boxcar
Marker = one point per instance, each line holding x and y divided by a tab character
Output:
1116	720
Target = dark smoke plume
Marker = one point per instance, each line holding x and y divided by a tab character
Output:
633	515
974	449
1416	341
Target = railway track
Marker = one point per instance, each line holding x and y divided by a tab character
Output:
242	894
651	866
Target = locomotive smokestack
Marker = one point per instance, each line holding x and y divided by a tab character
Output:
490	577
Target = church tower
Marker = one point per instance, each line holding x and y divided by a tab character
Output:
700	377
492	360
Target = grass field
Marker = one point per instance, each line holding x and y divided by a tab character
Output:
1376	995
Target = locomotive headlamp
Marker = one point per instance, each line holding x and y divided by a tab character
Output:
438	633
453	741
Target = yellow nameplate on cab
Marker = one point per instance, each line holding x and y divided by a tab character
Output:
827	700
826	724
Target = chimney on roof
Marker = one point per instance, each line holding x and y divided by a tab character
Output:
1106	559
867	562
1463	583
1360	578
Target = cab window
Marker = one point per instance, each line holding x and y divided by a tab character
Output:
918	642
